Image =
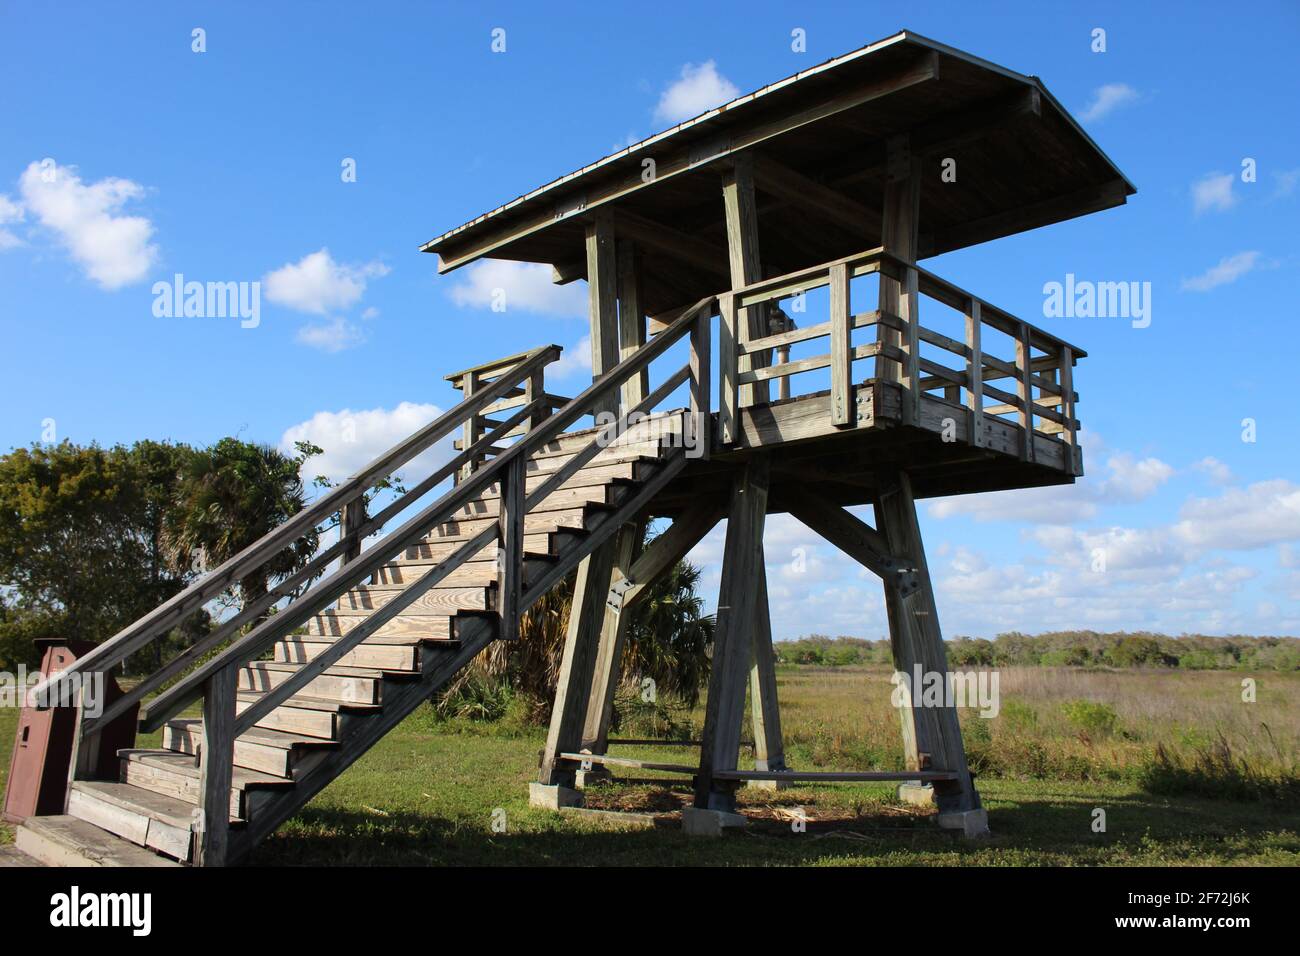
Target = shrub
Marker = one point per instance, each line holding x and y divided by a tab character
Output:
1092	717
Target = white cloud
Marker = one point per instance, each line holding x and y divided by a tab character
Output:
518	286
113	250
1286	180
1261	514
1217	471
574	360
318	285
334	335
353	439
1128	480
1213	192
699	89
1227	270
10	212
1106	99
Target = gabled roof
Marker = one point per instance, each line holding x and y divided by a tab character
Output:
1022	161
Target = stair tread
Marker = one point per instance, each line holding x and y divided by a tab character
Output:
257	735
10	855
159	806
304	702
87	841
335	671
242	777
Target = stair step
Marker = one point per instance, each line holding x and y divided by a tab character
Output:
570	519
10	855
67	841
142	816
409	570
567	496
176	775
350	685
436	600
401	630
540	543
297	715
269	751
387	657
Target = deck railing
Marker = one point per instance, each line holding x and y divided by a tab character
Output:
1041	398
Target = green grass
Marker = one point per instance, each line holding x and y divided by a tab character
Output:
427	793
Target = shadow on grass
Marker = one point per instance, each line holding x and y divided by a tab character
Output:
1042	828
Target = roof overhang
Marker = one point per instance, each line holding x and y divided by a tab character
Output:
819	140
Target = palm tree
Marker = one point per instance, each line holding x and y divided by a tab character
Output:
229	496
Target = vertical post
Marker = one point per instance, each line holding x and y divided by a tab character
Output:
769	745
86	748
472	429
899	214
702	383
535	388
909	312
929	730
728	368
974	375
842	410
732	643
510	550
631	321
602	299
1068	435
577	665
609	652
216	760
352	517
1025	391
745	262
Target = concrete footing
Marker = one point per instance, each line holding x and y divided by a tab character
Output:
697	822
916	794
553	797
973	824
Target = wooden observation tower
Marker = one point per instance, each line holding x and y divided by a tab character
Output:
764	340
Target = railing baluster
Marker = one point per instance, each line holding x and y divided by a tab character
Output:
1066	381
728	367
974	375
352	517
216	768
909	312
473	427
1025	390
842	412
701	364
510	548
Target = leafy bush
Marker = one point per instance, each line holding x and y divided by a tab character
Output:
1092	717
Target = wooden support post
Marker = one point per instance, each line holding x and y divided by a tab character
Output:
631	321
1025	391
602	298
510	549
930	732
909	312
842	409
472	429
732	643
701	386
352	516
975	376
216	768
899	231
769	745
609	651
1069	435
728	367
86	748
745	262
535	388
577	664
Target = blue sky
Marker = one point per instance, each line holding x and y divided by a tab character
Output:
225	166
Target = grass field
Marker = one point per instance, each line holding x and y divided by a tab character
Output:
1225	794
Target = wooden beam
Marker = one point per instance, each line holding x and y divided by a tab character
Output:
674	242
570	270
745	260
765	712
609	650
602	300
796	188
631	319
666	550
854	537
452	254
216	768
729	675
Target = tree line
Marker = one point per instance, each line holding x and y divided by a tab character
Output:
1066	649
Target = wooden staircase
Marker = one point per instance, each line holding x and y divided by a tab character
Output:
293	751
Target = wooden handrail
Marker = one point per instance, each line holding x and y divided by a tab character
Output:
148	628
331	588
